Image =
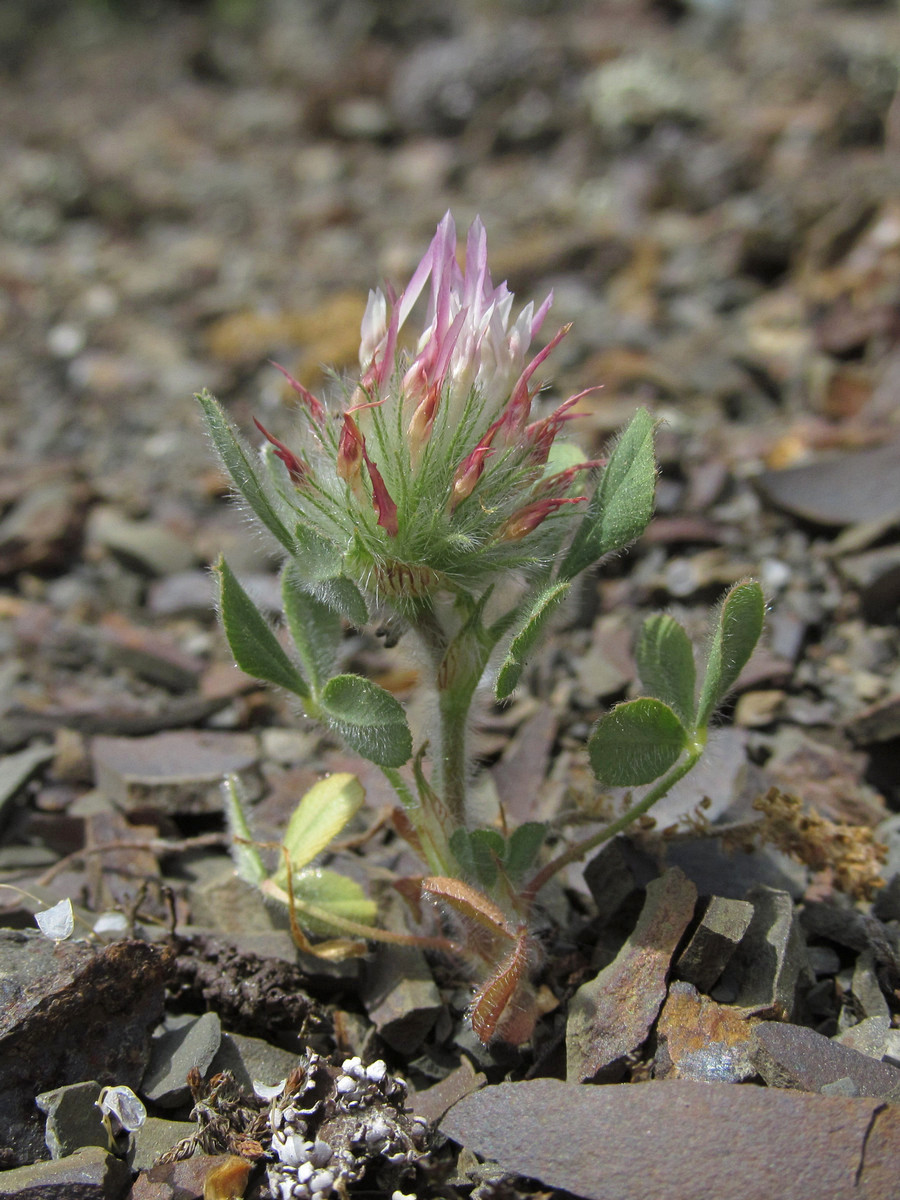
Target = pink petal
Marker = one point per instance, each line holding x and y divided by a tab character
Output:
297	469
381	498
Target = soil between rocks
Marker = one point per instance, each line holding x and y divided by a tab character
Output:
190	190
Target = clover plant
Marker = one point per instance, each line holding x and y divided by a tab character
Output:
429	491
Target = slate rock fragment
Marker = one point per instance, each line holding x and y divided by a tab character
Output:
400	995
184	1180
702	1040
179	771
713	942
251	1060
869	1037
90	1174
69	1013
772	955
431	1103
73	1118
846	489
154	1138
611	1015
683	1140
184	1042
616	873
792	1056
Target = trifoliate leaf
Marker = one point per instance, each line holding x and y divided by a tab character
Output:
315	628
332	893
530	629
620	508
246	858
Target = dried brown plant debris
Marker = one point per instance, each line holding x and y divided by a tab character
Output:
849	853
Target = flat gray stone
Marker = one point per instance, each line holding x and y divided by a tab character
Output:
154	1138
73	1119
400	995
713	942
614	875
252	1060
16	770
183	1042
682	1140
611	1015
792	1056
868	1037
867	989
179	771
146	546
91	1174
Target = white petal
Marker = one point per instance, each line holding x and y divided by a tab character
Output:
125	1106
58	922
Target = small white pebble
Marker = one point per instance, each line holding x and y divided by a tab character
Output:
286	1189
354	1067
292	1149
345	1085
320	1153
376	1071
378	1131
322	1181
65	341
398	1195
304	1171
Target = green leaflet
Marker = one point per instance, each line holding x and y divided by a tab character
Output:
635	743
255	647
334	893
620	508
315	628
737	631
237	459
665	662
317	820
247	860
368	718
530	630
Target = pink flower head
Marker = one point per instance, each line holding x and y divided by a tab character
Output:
468	341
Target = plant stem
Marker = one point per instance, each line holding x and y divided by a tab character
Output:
578	851
452	762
